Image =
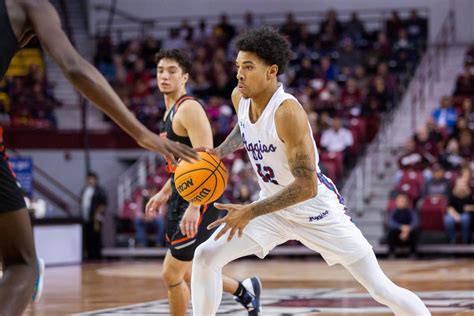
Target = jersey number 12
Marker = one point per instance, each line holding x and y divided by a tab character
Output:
266	173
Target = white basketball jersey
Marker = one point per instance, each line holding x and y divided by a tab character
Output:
265	149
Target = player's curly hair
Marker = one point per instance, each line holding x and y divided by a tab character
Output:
267	44
177	55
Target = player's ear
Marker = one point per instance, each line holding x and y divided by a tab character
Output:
272	71
186	77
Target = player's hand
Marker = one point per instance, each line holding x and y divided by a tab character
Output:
211	151
154	204
190	222
168	148
237	218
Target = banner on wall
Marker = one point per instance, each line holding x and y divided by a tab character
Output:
23	168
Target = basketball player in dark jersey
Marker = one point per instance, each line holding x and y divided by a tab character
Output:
20	20
186	122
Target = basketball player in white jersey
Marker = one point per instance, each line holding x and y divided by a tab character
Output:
296	200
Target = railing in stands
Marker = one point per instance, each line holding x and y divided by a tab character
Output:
57	194
136	177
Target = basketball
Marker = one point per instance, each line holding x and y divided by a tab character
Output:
203	181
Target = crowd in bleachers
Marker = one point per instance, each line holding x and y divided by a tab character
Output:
435	169
26	98
346	78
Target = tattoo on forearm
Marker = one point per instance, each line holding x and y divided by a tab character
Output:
231	143
302	166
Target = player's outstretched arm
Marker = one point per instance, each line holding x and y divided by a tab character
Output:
87	79
292	128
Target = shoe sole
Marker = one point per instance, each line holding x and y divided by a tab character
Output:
39	282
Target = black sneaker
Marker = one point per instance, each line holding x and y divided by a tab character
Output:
251	299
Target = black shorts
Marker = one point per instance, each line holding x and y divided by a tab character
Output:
181	246
11	196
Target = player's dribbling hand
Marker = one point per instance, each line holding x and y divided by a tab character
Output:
211	151
154	204
238	216
168	148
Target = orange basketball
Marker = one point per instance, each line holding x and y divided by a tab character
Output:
201	182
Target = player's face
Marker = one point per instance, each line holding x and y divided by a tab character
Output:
170	76
253	73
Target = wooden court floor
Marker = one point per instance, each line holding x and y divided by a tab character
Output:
447	286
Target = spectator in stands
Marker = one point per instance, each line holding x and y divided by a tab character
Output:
291	28
139	72
355	28
452	159
378	99
348	55
402	226
417	28
149	48
331	24
446	115
131	54
413	158
306	38
382	48
438	184
361	78
244	196
203	32
174	40
93	207
142	222
404	52
425	143
227	29
460	208
465	82
327	71
304	74
388	78
393	25
337	139
465	144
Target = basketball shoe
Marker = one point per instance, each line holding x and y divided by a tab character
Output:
251	299
39	282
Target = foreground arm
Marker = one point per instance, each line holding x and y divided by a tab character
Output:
87	79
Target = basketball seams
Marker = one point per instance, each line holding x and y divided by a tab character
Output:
213	190
219	165
212	172
185	173
222	167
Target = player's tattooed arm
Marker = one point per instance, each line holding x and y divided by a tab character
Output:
292	127
232	143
